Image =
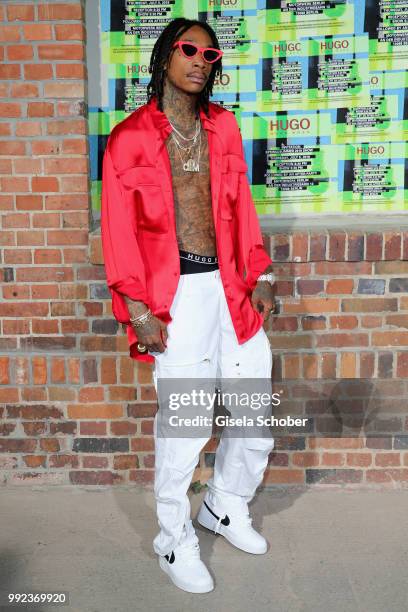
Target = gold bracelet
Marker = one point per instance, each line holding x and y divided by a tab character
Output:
141	320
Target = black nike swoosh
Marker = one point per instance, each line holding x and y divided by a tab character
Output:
225	521
170	558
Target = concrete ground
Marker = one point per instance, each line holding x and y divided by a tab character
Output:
330	551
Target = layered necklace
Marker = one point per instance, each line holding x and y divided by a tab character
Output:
190	164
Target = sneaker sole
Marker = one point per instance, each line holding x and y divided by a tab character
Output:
190	589
206	520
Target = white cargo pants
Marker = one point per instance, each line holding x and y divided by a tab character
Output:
202	343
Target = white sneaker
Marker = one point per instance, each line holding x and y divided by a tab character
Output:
186	570
230	518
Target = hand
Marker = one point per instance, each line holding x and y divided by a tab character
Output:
153	335
263	298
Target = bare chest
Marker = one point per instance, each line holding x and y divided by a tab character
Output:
192	198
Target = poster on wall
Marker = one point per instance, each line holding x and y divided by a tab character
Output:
319	89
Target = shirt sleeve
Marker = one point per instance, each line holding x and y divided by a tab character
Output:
255	257
125	273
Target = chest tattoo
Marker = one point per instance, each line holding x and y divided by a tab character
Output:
192	201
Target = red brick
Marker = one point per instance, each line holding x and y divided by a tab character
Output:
64	90
340	286
74	184
14	184
337	246
66	166
343	322
28	128
73	108
402	365
75	146
6	202
29	202
311	322
359	459
66	202
27	165
62	237
60	52
9	33
45	147
46	220
95	411
24	310
391	267
78	255
5	166
329	365
13	328
9	109
10	71
310	366
4	370
17	256
44	184
75	219
50	256
374	246
332	459
40	326
67	127
340	268
20	12
317	247
19	52
367	363
40	109
71	31
291	366
387	459
16	220
339	340
5	129
46	274
313	305
37	31
66	12
390	338
70	71
392	248
348	362
28	238
309	286
300	246
369	304
38	72
24	90
7	238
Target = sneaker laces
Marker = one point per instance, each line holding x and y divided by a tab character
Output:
238	511
188	552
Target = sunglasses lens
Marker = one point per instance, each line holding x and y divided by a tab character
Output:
210	55
189	50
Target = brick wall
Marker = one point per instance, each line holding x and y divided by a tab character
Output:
74	407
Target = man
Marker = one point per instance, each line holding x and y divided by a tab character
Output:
189	276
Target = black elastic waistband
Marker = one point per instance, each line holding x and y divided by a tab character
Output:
191	263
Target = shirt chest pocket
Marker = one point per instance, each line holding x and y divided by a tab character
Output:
232	169
145	194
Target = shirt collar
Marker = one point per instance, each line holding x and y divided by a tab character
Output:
161	121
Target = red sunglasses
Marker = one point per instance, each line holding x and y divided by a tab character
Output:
190	50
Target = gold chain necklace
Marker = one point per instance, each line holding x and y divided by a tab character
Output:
190	165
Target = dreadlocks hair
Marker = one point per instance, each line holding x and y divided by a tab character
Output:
161	52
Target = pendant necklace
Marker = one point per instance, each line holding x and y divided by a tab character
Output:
190	165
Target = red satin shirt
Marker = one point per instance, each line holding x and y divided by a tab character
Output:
138	220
